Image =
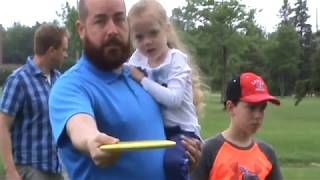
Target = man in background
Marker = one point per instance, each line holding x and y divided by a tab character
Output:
26	140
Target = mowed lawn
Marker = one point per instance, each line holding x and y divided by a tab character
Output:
294	132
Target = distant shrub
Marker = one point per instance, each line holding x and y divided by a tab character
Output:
5	71
302	88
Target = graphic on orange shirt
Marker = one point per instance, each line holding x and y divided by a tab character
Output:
240	164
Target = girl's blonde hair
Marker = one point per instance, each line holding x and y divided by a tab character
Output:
156	10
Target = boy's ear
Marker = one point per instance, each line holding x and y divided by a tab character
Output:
229	106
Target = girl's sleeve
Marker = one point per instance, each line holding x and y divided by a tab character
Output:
180	74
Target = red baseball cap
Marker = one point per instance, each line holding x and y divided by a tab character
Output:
251	88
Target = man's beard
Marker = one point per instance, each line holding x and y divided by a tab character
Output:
104	60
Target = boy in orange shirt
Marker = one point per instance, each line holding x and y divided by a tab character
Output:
234	153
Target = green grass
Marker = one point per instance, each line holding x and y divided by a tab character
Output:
292	130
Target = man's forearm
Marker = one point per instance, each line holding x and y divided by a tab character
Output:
80	128
86	137
6	147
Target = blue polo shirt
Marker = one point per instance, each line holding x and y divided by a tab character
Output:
25	97
121	107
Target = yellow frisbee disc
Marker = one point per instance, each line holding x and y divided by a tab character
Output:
136	145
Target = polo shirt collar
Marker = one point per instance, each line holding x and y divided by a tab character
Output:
33	67
109	76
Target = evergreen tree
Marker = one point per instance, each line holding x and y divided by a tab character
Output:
285	13
304	30
69	16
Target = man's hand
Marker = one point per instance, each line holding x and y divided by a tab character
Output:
136	74
6	122
194	148
12	175
86	137
100	157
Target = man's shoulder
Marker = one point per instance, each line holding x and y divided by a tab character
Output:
75	79
67	80
20	70
75	72
18	74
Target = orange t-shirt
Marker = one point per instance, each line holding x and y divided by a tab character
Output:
221	160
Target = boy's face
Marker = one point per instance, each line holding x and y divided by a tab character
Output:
247	117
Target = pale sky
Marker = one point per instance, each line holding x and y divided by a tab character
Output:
27	12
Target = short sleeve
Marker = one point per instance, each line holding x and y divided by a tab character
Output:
210	150
275	173
67	99
12	96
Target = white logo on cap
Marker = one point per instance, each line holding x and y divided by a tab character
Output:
259	85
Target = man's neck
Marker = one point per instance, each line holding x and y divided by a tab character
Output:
40	62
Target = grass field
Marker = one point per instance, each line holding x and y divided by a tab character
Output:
292	130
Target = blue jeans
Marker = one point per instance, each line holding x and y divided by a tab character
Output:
176	162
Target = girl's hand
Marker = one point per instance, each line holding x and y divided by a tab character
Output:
136	74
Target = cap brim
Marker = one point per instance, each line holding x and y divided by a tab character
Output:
257	98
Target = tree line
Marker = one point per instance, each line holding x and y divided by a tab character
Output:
225	39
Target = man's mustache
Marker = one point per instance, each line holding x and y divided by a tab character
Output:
113	41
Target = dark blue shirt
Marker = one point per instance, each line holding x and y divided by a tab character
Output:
25	96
